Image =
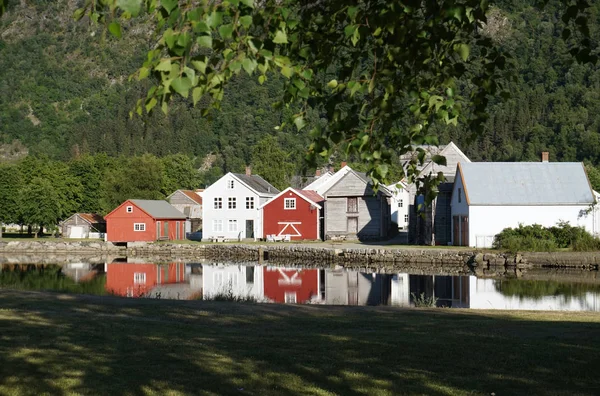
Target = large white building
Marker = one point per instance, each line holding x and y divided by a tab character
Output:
490	196
230	207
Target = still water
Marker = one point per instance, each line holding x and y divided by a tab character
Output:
272	284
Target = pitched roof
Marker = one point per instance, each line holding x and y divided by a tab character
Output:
158	209
92	218
310	196
525	183
324	183
319	181
339	175
193	196
453	156
256	183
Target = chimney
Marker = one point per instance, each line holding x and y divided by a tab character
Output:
318	173
344	163
248	170
545	156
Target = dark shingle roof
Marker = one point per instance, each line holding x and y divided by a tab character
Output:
257	183
158	209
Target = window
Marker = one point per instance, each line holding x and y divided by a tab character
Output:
406	218
352	205
230	184
129	209
290	297
289	203
231	203
139	226
459	195
218	225
232	226
139	278
219	203
249	202
400	203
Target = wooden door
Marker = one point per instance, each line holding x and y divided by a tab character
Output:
250	229
166	233
352	225
456	231
158	230
464	230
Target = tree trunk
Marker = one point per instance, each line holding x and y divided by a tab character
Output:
0	230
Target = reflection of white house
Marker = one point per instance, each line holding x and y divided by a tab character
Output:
448	291
356	288
237	280
399	204
491	196
485	295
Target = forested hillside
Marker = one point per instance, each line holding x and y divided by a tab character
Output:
65	92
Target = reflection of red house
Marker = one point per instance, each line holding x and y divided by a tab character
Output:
139	220
293	212
287	285
135	280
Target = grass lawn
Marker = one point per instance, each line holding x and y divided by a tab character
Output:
61	344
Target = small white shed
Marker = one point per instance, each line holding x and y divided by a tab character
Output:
490	196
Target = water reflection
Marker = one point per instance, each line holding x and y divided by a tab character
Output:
261	283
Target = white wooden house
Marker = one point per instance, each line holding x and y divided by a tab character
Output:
230	207
399	204
189	203
243	281
490	196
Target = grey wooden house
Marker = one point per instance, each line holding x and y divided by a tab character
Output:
189	203
83	225
353	210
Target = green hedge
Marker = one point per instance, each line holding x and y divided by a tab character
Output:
535	238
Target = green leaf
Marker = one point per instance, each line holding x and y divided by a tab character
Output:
182	85
261	79
77	15
226	31
332	84
168	5
200	66
463	50
280	37
248	3
197	94
215	19
439	159
164	65
249	65
144	72
205	41
246	21
287	71
131	6
355	37
115	29
299	122
150	104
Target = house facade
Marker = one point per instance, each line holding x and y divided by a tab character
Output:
83	225
491	196
140	220
189	203
399	204
230	207
293	213
353	210
233	280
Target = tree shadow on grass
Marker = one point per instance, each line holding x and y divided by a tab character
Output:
59	344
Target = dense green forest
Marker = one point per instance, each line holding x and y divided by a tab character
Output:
66	96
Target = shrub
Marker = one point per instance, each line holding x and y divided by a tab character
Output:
535	238
422	301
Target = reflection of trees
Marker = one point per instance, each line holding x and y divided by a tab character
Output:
48	277
540	289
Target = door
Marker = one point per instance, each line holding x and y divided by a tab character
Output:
178	231
158	229
456	231
464	230
166	233
352	225
249	228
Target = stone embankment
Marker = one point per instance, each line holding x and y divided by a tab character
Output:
376	258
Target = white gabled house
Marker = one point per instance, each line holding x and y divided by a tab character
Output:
230	207
399	204
490	196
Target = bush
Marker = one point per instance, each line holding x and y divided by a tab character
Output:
535	238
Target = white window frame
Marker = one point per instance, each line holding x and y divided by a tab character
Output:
291	297
231	203
249	202
289	203
129	209
218	203
230	184
139	278
139	227
401	203
459	195
406	218
218	225
231	223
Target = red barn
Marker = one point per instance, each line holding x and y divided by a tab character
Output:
136	280
140	220
290	285
292	212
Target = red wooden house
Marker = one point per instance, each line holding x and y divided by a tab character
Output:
293	213
137	280
290	285
140	220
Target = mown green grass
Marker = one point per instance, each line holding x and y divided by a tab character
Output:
63	344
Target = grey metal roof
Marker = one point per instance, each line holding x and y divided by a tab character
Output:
158	209
257	183
526	183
